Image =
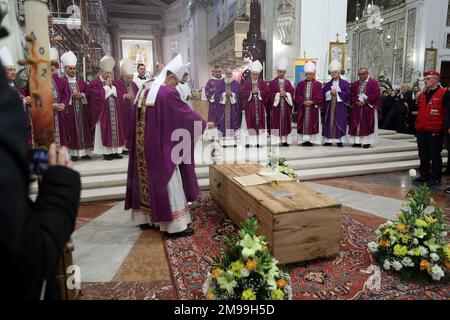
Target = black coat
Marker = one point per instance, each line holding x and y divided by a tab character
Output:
32	235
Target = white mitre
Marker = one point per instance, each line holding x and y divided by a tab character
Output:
335	66
282	64
6	57
69	59
107	63
127	68
255	66
310	67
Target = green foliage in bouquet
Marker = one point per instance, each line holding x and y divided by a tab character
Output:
414	244
247	270
278	163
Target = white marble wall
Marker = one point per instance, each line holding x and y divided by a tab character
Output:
320	21
420	21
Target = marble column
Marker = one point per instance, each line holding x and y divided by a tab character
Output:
200	65
269	10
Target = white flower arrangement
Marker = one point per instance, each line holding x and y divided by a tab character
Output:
247	271
413	245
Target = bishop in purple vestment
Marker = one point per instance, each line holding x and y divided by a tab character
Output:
61	97
109	135
77	113
212	94
337	97
309	104
281	103
255	95
228	105
126	93
366	107
161	172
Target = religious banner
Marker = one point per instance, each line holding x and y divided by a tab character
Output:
299	66
138	51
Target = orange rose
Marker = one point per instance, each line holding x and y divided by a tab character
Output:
216	273
281	283
250	265
402	228
385	243
424	265
210	296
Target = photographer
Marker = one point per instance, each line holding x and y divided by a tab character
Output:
32	235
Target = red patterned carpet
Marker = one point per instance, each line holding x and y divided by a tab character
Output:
341	277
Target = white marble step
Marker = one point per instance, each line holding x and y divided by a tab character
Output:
118	192
106	180
399	136
356	170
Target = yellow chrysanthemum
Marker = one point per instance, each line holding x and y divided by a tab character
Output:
236	268
277	294
400	251
248	295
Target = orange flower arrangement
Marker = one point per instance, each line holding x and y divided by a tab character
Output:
424	265
385	243
402	228
215	274
281	283
210	296
250	265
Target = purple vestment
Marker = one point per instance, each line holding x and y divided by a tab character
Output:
107	112
126	105
212	94
255	105
282	113
362	119
335	119
308	117
78	115
228	108
151	165
61	94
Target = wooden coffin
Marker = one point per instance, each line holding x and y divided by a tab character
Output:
299	223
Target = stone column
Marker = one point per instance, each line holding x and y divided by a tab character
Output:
200	66
268	27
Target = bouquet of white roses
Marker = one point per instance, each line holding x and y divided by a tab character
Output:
247	270
414	243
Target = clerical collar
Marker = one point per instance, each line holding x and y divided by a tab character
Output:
228	80
12	84
71	78
142	77
254	81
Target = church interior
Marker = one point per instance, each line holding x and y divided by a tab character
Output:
338	219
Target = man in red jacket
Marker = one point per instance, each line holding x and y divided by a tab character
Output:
430	129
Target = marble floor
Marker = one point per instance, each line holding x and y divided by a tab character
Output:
119	261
